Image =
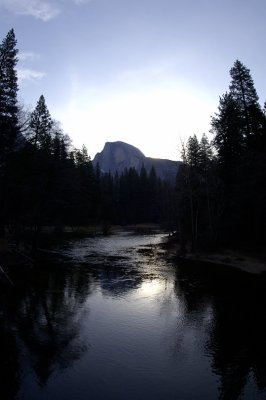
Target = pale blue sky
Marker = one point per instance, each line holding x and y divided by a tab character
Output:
147	72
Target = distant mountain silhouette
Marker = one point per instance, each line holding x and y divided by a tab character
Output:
117	156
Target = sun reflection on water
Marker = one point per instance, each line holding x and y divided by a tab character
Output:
152	287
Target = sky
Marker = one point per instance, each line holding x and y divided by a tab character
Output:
146	72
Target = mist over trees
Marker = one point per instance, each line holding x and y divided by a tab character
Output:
219	196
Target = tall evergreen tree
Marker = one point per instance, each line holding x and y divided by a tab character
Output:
227	128
206	164
193	152
83	186
40	126
240	140
8	118
8	95
194	192
245	95
242	86
205	153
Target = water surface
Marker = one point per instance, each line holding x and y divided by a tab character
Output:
112	318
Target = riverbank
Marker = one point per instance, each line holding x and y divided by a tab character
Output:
251	262
247	263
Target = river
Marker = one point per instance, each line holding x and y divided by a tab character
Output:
114	318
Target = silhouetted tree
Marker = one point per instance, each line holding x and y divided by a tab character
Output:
239	138
8	115
8	95
194	193
40	127
245	95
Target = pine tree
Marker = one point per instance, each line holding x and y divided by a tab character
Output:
40	126
206	166
242	86
193	152
8	95
205	153
229	140
194	193
245	95
240	140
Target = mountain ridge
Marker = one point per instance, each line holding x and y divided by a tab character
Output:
117	156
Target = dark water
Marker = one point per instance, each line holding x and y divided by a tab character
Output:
113	319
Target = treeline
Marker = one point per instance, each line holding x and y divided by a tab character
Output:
136	197
45	181
221	186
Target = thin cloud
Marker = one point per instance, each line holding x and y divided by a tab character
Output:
29	75
79	2
28	55
38	9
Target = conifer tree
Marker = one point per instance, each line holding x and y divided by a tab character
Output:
206	165
242	86
240	140
205	153
193	151
227	128
245	95
194	193
40	126
8	95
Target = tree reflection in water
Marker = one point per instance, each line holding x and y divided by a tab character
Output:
237	338
9	364
47	314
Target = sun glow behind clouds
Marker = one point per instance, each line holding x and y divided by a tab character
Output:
155	118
